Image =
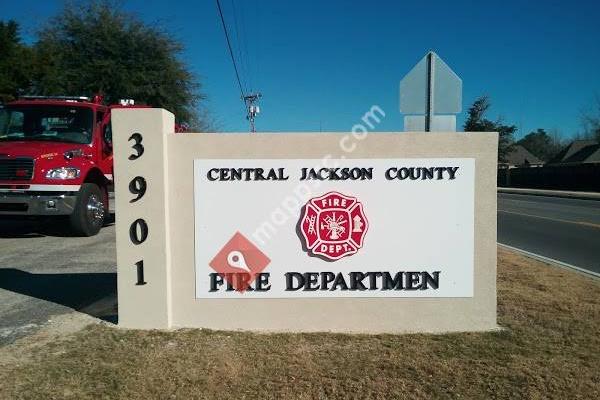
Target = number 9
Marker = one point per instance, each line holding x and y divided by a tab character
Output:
137	186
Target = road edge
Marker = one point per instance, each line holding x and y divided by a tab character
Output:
552	261
552	193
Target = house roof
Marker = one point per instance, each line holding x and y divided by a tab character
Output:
579	151
519	155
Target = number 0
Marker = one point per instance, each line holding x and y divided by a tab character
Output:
138	231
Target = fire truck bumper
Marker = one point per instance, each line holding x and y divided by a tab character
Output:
37	204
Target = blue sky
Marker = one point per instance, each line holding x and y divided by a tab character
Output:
323	64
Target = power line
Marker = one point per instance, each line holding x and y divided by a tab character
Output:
257	47
236	27
250	99
237	74
244	45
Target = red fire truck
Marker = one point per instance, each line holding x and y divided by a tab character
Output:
56	159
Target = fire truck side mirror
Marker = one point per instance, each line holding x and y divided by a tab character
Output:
107	136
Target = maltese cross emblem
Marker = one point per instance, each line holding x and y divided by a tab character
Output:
333	226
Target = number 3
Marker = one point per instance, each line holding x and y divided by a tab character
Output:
138	146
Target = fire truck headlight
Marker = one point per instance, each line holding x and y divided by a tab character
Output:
63	173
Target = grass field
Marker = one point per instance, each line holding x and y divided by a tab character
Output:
550	348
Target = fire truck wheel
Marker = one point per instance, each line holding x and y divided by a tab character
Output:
90	212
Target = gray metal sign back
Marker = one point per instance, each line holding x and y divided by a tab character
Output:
430	88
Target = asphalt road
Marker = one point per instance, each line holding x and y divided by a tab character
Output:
567	230
45	273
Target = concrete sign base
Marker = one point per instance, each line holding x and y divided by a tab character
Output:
304	232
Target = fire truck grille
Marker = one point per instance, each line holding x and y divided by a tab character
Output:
16	169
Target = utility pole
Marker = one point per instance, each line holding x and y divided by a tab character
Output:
252	109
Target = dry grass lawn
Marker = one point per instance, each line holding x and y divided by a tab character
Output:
549	349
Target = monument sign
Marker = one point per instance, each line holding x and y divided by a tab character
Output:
286	232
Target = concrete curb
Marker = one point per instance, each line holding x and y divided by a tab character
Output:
552	193
552	261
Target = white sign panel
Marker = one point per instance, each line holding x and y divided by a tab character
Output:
334	228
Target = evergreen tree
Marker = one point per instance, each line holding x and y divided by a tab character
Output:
95	47
541	144
15	62
476	122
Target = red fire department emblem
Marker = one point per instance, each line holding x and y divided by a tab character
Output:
333	225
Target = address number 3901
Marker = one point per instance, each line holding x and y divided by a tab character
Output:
138	230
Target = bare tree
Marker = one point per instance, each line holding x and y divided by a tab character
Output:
590	120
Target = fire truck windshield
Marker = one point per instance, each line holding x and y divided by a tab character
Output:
46	123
